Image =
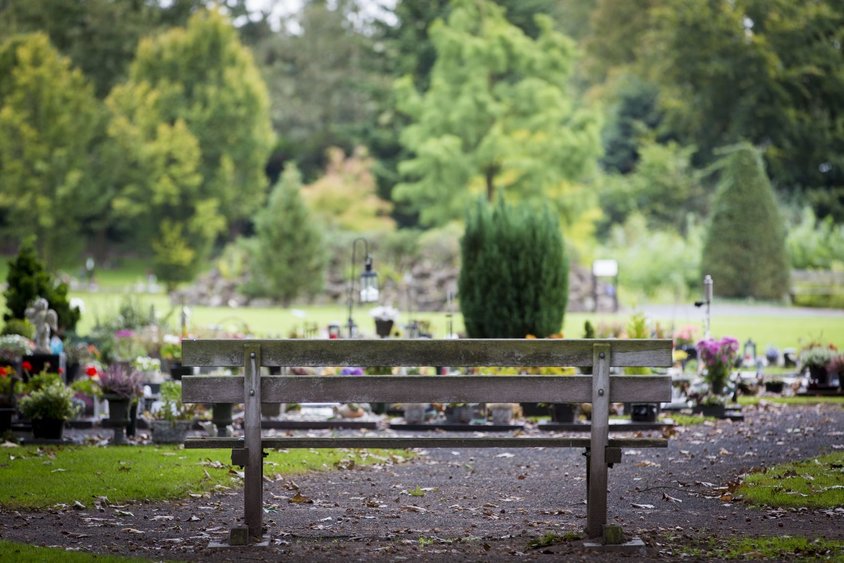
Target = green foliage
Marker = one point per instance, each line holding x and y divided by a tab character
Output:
20	327
48	118
497	118
289	256
664	188
514	278
815	244
172	407
651	261
202	78
744	249
634	115
26	280
55	401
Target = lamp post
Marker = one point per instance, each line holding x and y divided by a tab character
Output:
368	282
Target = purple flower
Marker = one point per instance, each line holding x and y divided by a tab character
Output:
351	371
124	333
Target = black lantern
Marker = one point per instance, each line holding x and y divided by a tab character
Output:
368	282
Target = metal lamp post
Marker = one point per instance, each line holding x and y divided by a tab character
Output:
368	282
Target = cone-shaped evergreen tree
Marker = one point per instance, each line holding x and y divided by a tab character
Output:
745	247
289	255
514	277
28	279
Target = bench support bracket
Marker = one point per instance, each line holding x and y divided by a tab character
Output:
253	498
596	515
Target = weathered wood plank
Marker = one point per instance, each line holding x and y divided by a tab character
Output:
253	481
461	352
404	442
596	515
426	389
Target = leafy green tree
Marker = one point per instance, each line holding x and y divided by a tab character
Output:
48	117
28	279
289	257
745	248
766	71
160	199
202	76
514	275
495	118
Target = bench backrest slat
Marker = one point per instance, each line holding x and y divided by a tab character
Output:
425	352
425	389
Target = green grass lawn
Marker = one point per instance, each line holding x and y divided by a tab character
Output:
813	483
745	400
22	553
39	477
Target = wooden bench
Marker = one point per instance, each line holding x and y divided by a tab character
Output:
252	389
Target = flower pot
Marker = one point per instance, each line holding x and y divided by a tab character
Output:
6	414
221	416
118	417
170	432
458	414
383	327
47	428
502	414
414	413
819	377
774	386
562	412
644	412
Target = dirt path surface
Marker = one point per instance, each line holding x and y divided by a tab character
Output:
478	505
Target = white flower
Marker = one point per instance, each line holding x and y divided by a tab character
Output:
384	313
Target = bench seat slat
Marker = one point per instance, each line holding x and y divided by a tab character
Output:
426	352
425	389
423	442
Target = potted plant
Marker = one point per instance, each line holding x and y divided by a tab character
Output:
815	358
121	386
8	378
172	419
716	357
13	347
48	408
385	317
171	356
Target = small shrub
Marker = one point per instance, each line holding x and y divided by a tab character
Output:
55	401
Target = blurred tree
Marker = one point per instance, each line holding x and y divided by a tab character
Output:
202	76
344	197
289	256
664	188
99	36
159	202
48	117
28	279
633	116
325	82
744	250
769	71
496	117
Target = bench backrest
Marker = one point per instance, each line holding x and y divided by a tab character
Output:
424	389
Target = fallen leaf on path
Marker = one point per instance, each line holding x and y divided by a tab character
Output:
669	498
299	498
646	506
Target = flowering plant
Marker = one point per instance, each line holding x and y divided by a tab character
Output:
818	355
7	381
13	346
384	313
718	357
120	380
146	364
55	401
685	336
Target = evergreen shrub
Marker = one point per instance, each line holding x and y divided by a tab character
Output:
514	276
28	279
745	248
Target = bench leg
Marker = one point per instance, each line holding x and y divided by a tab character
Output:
596	509
253	482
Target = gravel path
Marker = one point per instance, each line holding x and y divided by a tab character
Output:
478	505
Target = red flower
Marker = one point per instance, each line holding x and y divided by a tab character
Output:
91	371
4	371
61	371
26	366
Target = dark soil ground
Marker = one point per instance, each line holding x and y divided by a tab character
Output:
480	505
